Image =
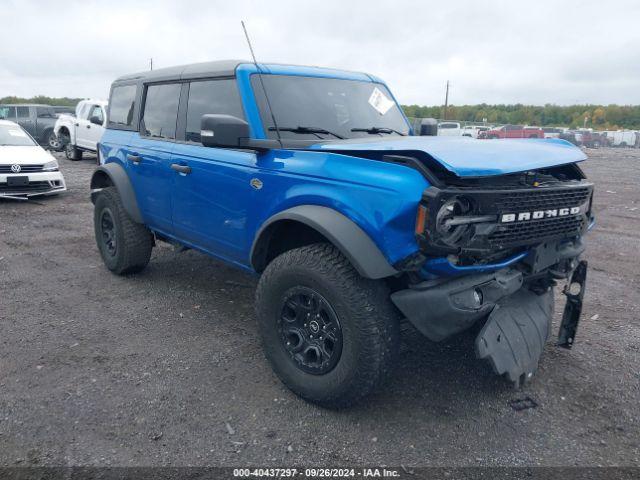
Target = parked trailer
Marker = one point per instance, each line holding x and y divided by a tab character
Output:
621	138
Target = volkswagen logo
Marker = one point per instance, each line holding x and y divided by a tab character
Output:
16	168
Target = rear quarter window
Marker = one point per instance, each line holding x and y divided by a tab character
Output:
121	106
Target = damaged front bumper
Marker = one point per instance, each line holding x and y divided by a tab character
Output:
439	310
518	318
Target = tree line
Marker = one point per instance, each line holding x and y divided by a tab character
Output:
43	100
600	117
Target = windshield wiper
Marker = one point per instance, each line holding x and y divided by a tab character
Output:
303	130
376	130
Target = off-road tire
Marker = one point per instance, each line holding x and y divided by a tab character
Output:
369	323
72	153
133	241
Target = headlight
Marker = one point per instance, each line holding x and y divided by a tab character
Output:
50	166
448	225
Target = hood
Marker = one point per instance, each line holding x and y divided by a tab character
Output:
469	157
27	155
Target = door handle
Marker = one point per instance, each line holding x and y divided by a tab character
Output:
184	169
88	126
134	158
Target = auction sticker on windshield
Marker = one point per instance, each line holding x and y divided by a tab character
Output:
380	101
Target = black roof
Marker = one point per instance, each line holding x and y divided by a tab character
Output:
220	68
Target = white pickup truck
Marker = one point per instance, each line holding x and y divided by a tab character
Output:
82	132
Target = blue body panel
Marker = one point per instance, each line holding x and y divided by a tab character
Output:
215	209
469	157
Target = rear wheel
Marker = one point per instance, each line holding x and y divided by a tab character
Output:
330	335
125	246
72	153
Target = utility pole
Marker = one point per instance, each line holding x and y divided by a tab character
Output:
446	101
151	63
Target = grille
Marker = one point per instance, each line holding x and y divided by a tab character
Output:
23	168
536	231
33	187
540	199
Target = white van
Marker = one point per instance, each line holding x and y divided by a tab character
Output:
449	129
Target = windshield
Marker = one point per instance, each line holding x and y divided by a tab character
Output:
14	135
319	108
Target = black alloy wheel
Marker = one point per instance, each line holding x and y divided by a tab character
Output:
108	229
310	330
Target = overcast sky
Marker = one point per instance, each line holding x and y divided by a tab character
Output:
532	52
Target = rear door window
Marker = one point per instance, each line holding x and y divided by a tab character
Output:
22	112
211	96
161	111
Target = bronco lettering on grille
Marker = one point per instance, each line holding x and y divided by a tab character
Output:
538	214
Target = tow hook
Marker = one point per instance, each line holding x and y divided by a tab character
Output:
574	291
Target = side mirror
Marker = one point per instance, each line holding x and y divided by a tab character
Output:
428	127
95	120
218	130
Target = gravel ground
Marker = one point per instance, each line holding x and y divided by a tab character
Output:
165	368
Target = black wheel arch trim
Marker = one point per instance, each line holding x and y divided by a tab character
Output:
119	179
346	235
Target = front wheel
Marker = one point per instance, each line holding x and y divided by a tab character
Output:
330	335
125	246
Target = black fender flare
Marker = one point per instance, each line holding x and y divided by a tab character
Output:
117	176
345	234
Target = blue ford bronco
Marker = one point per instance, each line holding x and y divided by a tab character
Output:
314	179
